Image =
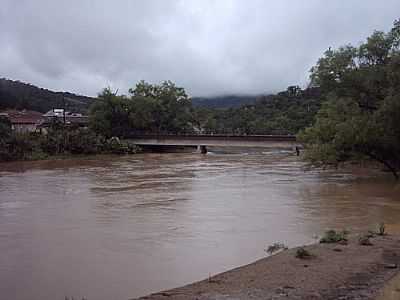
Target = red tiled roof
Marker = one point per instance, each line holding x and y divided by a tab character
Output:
23	116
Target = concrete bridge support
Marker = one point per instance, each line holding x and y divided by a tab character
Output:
202	149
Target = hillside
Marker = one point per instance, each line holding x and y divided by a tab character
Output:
231	101
284	113
19	95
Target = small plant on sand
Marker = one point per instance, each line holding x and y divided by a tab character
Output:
364	240
332	236
381	229
302	253
276	247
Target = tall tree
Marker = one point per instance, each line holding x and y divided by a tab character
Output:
361	88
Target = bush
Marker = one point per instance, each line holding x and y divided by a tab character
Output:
382	229
364	240
59	140
331	236
21	146
116	146
84	141
276	247
302	253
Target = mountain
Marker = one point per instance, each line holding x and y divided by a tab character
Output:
19	95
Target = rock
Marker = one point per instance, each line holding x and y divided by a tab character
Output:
315	296
390	266
288	287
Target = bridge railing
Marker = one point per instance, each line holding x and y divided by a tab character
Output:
288	138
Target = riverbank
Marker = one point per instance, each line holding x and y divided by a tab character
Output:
334	271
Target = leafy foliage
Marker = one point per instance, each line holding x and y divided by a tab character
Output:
332	236
163	108
276	247
224	102
361	87
284	113
303	253
58	141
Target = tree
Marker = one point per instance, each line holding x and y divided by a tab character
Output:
109	115
173	112
361	88
163	108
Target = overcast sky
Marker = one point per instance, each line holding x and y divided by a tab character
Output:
208	47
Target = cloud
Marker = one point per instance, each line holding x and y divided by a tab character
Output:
208	47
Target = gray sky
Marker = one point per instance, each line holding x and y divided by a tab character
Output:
208	47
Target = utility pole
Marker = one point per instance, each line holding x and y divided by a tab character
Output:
64	121
63	101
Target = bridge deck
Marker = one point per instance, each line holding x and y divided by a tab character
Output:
216	140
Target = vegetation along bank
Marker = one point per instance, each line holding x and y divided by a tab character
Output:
348	112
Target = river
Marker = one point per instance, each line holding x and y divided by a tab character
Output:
113	227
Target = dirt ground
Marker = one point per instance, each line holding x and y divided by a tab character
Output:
335	271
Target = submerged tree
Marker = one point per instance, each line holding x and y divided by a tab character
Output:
362	91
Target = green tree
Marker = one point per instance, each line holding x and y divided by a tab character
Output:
163	108
174	112
109	115
361	88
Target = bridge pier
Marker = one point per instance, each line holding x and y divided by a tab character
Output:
202	149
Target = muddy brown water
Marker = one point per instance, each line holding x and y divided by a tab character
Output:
114	227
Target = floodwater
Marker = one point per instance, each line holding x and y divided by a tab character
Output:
114	227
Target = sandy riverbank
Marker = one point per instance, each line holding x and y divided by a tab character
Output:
336	271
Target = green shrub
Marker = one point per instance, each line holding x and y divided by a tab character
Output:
84	141
364	240
331	236
381	229
276	247
59	140
302	253
116	146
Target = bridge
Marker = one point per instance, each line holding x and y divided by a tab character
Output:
215	140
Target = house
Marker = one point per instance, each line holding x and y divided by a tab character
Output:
23	121
57	114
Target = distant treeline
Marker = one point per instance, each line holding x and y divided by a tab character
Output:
284	113
19	95
228	101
